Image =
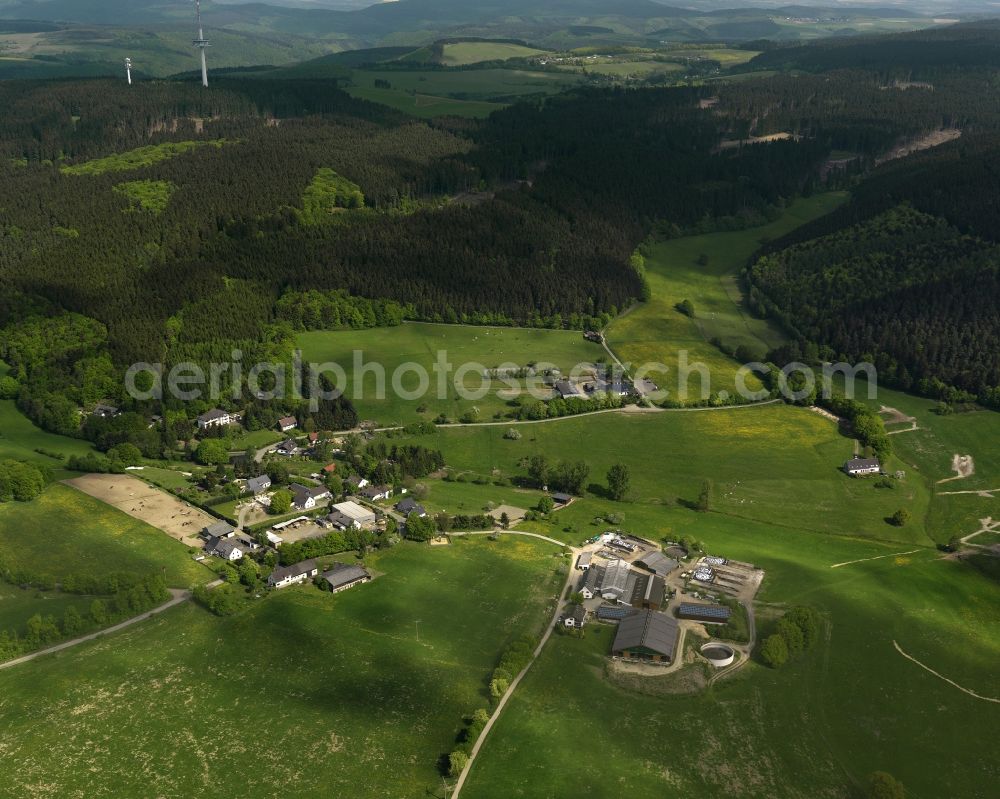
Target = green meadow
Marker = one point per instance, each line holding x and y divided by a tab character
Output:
464	53
656	332
66	531
774	464
454	92
20	439
927	452
357	694
420	343
817	727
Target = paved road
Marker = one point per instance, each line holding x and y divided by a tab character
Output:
516	681
179	596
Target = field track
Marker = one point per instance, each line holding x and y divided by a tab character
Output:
942	677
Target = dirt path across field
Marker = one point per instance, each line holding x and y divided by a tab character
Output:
534	655
942	677
153	506
178	597
877	557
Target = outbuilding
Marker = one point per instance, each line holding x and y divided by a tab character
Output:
342	576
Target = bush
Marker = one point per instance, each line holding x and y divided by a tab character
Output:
512	434
774	652
457	761
885	786
686	307
900	517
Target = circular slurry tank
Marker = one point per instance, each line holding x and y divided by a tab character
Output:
719	655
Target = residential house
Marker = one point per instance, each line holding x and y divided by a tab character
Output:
284	576
286	423
576	618
343	576
410	505
590	585
858	467
106	411
307	497
356	482
646	636
330	468
226	548
376	493
215	418
257	485
286	448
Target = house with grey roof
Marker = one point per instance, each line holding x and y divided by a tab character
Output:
647	636
257	485
576	618
342	576
226	548
284	576
410	505
307	497
219	529
590	585
859	467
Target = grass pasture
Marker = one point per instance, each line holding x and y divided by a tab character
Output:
66	531
772	464
420	343
454	92
20	439
817	727
656	332
356	694
464	53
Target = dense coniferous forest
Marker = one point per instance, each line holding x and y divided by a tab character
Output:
127	237
905	291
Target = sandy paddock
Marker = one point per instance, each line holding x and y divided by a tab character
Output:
164	511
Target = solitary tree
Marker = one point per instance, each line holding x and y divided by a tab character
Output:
885	786
619	481
281	501
504	520
900	517
545	505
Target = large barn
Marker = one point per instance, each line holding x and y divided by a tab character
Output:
648	636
